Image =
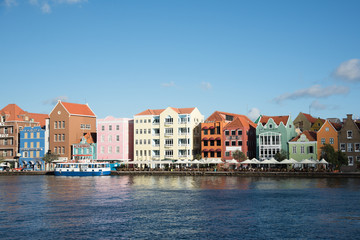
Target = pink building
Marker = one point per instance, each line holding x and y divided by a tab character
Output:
115	138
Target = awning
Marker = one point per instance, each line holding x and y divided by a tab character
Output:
205	139
218	138
211	150
205	150
218	150
211	138
211	127
205	127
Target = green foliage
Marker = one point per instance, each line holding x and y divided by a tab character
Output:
238	155
50	157
337	159
198	156
282	155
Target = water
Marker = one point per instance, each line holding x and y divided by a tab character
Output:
178	207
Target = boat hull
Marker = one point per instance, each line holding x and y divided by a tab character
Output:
82	174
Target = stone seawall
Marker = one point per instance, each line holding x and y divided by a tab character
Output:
5	173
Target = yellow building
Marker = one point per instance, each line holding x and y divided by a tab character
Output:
167	134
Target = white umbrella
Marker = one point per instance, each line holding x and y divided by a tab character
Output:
247	161
307	161
233	161
323	161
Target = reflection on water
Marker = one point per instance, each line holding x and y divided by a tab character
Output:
187	207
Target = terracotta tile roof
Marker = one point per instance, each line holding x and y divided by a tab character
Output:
337	126
240	122
221	116
78	109
40	118
277	119
311	118
90	137
159	111
310	135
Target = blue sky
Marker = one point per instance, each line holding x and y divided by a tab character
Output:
123	57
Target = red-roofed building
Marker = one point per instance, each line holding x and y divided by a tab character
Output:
303	146
305	121
69	122
12	120
328	133
223	133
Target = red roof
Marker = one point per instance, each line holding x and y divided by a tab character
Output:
221	116
14	113
159	111
240	122
311	118
78	109
40	118
310	135
277	119
337	126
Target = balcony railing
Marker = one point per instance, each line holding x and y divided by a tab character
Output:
183	133
169	145
169	134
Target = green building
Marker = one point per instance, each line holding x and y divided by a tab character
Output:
303	146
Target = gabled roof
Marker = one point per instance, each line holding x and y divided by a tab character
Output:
310	135
277	119
311	118
40	118
221	116
159	111
15	113
337	126
78	109
239	122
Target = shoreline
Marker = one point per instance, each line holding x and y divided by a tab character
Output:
210	173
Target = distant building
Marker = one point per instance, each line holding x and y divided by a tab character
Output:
86	148
349	141
304	146
171	134
328	133
306	122
273	134
115	138
69	122
32	148
12	120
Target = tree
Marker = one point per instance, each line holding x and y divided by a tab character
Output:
238	155
337	159
49	158
282	155
198	156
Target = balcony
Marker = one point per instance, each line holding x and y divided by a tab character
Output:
168	123
169	145
156	123
156	134
156	145
183	145
169	156
183	133
168	134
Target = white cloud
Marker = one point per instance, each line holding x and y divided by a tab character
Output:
206	85
55	100
170	84
254	113
10	3
46	8
349	70
315	91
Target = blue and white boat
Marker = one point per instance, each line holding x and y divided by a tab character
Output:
82	169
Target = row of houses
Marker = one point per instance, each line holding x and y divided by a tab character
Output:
73	132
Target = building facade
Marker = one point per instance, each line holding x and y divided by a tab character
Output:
69	122
12	120
167	134
306	122
32	148
349	141
304	146
86	148
115	138
328	133
272	135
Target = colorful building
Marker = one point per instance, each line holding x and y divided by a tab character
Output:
12	120
171	134
349	141
115	138
272	135
306	122
86	148
223	133
69	122
328	133
32	148
304	146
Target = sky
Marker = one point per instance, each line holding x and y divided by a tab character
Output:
125	56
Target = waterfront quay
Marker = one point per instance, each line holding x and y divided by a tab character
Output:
210	173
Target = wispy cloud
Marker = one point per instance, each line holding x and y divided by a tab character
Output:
44	5
349	70
10	3
254	113
206	86
315	91
55	100
46	8
169	84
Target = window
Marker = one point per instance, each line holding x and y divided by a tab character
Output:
302	149
239	132
206	143
212	143
110	127
37	144
331	140
349	134
169	142
55	138
136	142
311	149
102	128
233	143
140	131
63	150
140	122
149	131
227	133
37	135
349	147
342	147
350	160
110	149
169	153
137	152
109	138
102	138
136	131
357	147
63	137
327	129
233	132
25	143
169	120
25	135
218	142
239	143
140	141
322	140
117	149
55	150
55	125
117	127
227	154
63	124
227	143
168	131
148	141
102	149
117	138
205	132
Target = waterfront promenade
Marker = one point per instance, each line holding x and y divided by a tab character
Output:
211	173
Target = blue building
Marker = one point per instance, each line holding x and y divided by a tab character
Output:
32	148
86	149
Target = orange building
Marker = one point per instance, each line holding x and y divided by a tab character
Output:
328	133
222	133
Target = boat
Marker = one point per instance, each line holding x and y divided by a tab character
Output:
82	169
